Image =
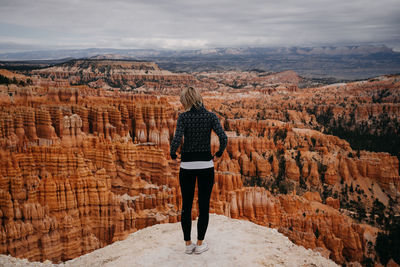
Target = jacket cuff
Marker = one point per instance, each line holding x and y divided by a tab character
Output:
218	154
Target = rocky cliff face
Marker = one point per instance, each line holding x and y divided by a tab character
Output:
250	80
126	75
161	245
365	113
72	178
82	167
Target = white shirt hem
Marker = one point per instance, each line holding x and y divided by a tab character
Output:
197	164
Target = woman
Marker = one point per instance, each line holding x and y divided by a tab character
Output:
196	161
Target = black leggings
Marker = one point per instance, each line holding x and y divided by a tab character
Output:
205	182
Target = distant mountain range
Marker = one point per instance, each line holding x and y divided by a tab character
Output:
340	62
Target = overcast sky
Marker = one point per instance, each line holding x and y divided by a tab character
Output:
193	24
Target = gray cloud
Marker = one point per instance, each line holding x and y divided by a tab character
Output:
180	24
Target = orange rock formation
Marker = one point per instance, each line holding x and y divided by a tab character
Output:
81	168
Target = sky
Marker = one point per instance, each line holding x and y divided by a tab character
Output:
27	25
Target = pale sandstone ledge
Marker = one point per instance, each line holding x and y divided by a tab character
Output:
232	243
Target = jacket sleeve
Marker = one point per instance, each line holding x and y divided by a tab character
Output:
176	141
223	139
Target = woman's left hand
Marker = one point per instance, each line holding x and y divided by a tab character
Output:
215	158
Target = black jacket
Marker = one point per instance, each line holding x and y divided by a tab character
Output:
196	125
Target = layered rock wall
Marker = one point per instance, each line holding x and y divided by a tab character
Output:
81	168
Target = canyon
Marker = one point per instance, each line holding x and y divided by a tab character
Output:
84	149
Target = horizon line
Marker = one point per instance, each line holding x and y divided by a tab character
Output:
333	45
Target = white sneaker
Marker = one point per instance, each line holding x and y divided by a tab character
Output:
200	249
190	248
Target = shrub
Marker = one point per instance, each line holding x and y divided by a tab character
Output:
387	246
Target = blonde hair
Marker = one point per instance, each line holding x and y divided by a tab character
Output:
191	97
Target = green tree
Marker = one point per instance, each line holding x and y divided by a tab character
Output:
387	245
378	208
316	233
